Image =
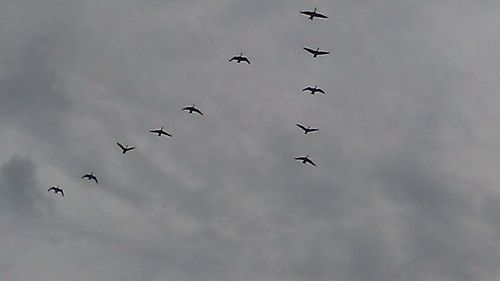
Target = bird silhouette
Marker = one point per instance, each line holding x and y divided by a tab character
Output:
313	90
313	14
192	109
307	129
240	58
56	190
161	132
316	52
90	177
305	159
126	148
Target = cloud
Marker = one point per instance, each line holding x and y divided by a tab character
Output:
405	186
21	191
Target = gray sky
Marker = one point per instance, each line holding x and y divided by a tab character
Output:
406	186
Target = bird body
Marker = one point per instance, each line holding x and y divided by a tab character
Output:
314	90
56	190
192	109
90	177
316	52
305	160
313	14
126	148
161	132
307	129
240	58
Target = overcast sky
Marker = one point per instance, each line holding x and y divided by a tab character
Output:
406	185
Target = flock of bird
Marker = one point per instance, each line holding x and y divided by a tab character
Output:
312	90
193	109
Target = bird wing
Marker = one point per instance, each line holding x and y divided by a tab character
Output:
197	110
321	91
302	127
246	60
233	58
323	52
299	158
95	178
306	12
187	108
168	134
62	192
321	16
310	161
310	50
130	148
313	130
307	89
120	145
52	188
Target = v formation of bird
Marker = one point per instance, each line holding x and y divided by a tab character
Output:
193	109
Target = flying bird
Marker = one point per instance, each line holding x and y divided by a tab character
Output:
125	149
90	177
240	58
56	190
316	52
161	132
305	159
307	129
313	90
192	109
313	14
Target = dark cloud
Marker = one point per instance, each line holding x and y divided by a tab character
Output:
32	95
21	191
